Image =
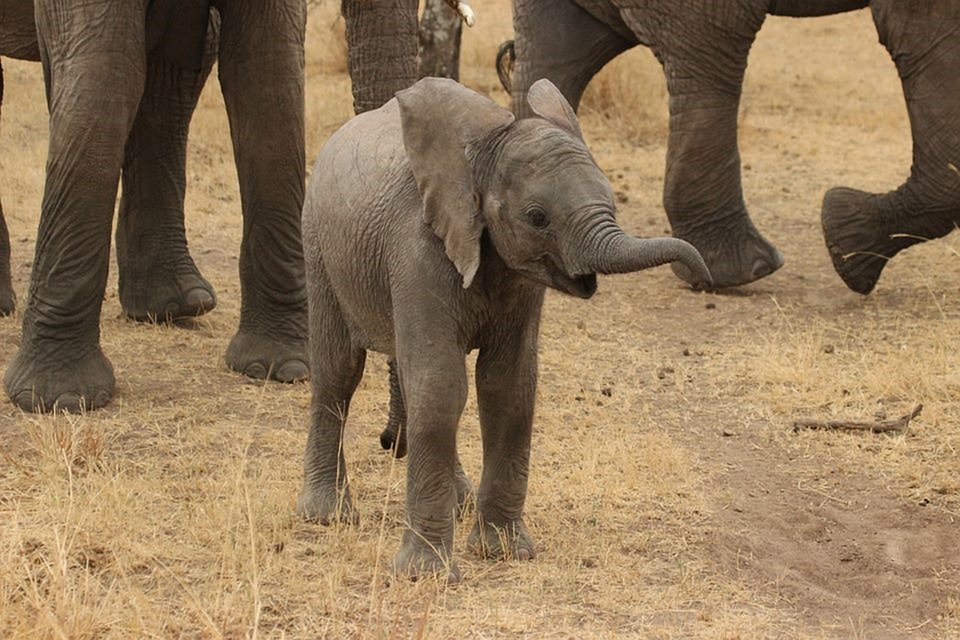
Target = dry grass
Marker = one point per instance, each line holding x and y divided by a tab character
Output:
169	514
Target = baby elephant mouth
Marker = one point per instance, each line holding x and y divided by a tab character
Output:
579	286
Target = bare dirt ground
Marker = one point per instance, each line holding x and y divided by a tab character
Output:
669	495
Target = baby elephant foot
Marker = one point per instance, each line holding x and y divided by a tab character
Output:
735	252
326	506
45	384
162	296
501	541
261	356
417	559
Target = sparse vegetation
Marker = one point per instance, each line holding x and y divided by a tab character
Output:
669	496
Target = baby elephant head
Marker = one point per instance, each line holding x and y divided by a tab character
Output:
532	184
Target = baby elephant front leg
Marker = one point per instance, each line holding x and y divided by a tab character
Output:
436	396
506	387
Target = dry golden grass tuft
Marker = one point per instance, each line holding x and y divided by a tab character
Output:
629	97
669	496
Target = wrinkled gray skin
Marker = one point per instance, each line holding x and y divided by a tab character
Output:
144	63
703	47
432	227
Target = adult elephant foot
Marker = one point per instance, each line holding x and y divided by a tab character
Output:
505	540
262	356
864	230
735	253
47	383
166	294
418	558
858	245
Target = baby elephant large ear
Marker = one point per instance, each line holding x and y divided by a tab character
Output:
547	102
439	119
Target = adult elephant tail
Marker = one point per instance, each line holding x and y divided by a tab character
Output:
506	57
864	230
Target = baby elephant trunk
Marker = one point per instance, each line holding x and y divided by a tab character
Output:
616	252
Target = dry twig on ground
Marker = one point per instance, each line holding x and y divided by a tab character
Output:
879	426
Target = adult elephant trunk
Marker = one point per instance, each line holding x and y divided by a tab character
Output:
608	250
863	230
382	45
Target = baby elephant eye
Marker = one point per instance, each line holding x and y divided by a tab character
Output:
537	218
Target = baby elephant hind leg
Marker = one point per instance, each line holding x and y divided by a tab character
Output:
337	369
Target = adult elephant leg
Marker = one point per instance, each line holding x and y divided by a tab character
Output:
704	56
93	63
864	230
381	49
506	390
261	72
562	42
158	279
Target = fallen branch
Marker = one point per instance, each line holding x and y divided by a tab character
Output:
880	426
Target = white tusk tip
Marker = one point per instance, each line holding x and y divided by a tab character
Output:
469	17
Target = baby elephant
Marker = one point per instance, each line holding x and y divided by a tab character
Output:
431	227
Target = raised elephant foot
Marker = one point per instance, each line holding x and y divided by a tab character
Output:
326	506
45	384
162	296
864	230
735	253
417	558
858	245
507	540
260	356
